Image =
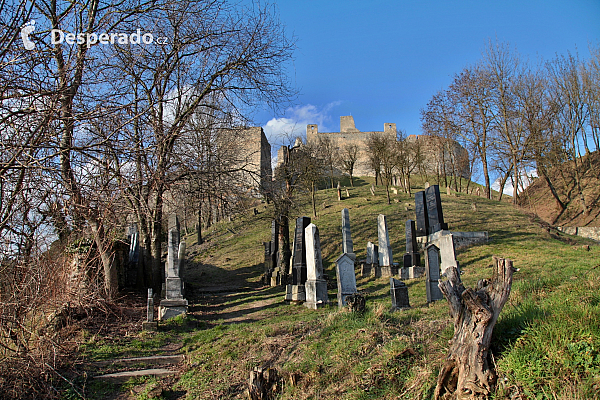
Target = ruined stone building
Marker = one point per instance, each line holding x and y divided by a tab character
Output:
255	158
436	154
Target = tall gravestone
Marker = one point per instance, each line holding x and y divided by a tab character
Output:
399	292
268	262
295	290
434	210
367	265
316	286
347	246
275	272
412	260
432	271
422	225
174	304
385	250
346	279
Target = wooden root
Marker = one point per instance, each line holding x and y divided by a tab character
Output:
468	372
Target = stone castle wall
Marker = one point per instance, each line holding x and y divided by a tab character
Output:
350	135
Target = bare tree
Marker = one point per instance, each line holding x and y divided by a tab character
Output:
347	160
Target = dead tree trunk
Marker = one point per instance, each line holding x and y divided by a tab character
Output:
469	372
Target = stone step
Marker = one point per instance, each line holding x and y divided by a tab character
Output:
151	360
124	376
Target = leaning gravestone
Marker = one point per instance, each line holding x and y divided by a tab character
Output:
422	225
347	246
316	286
434	209
295	290
399	292
432	271
385	250
346	279
174	304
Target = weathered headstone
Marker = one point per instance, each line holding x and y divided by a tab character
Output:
174	304
367	264
372	190
426	185
150	324
346	279
399	292
347	192
347	246
375	267
316	286
432	273
394	190
434	210
339	192
422	226
295	290
268	262
411	268
385	250
447	252
275	272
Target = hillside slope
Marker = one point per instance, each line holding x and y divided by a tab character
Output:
538	199
546	343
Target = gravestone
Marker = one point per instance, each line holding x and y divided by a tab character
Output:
474	207
275	273
412	259
399	292
346	279
174	304
385	250
347	246
447	252
268	263
295	290
426	185
372	190
422	225
434	210
316	286
339	192
432	273
347	192
150	324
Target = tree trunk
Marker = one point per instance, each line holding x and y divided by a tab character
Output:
111	281
468	372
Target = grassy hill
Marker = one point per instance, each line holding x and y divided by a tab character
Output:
546	343
538	198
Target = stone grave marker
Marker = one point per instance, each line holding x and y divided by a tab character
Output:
347	246
426	185
385	250
432	272
422	225
174	304
372	190
275	273
399	292
295	290
316	286
412	259
346	278
434	209
339	192
150	324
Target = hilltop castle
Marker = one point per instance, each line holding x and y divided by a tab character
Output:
435	156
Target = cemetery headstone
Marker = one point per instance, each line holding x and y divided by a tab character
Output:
316	286
275	273
412	259
295	290
385	250
346	279
432	273
422	225
434	210
347	246
426	185
150	324
372	190
174	304
347	192
399	292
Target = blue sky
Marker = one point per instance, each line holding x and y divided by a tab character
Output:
381	61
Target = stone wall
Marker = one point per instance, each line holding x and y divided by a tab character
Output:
436	154
588	232
255	156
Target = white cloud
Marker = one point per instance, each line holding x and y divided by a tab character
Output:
293	124
526	179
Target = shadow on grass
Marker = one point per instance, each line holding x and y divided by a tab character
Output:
512	324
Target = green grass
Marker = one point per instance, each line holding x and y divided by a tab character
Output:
546	343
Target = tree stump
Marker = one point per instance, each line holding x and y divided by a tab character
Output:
469	372
263	384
